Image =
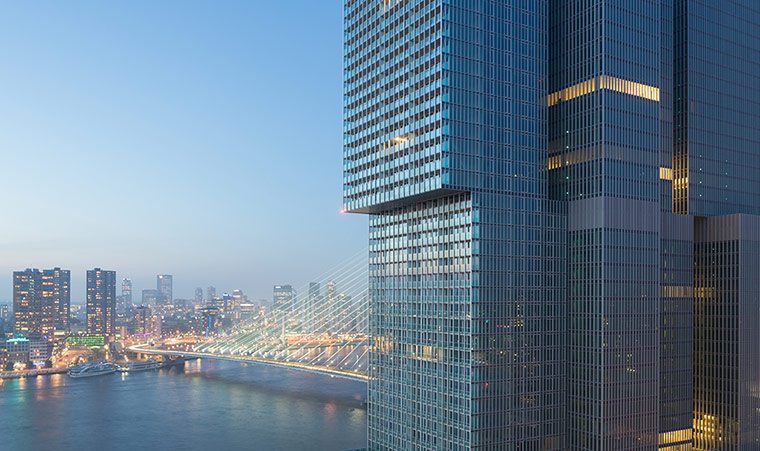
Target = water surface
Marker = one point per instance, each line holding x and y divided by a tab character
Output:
207	405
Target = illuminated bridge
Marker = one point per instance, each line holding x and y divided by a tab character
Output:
324	329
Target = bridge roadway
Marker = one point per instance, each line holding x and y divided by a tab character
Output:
317	369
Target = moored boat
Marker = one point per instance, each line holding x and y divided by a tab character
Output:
140	365
92	369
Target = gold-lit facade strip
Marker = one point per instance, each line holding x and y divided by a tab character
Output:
574	157
677	292
605	82
666	174
683	435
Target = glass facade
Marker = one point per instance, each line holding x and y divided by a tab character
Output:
534	172
717	107
101	301
445	145
726	349
608	143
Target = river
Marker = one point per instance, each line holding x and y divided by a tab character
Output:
205	405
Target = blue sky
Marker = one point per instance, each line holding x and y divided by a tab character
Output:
196	138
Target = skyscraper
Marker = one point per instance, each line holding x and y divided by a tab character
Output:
283	297
164	287
143	320
41	302
59	280
445	147
5	313
210	294
101	301
33	304
126	291
561	234
150	297
313	302
199	295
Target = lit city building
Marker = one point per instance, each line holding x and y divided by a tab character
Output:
143	322
101	301
126	293
199	295
40	302
164	288
57	281
283	298
5	313
562	240
150	297
210	319
210	293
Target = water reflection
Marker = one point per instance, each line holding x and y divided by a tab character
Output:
205	405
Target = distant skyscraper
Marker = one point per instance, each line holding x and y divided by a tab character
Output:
33	307
210	317
126	291
164	287
239	298
42	301
313	302
199	295
101	301
5	313
150	297
143	320
210	293
283	298
59	281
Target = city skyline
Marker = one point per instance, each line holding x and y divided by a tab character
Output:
184	119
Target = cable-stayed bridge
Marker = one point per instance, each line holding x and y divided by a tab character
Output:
324	330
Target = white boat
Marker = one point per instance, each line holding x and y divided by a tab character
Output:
92	369
140	365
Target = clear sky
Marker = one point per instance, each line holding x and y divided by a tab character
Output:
196	138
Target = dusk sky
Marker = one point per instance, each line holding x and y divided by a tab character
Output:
199	139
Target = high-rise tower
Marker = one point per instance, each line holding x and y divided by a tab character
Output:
59	281
164	285
101	301
445	144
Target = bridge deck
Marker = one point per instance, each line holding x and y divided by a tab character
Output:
309	368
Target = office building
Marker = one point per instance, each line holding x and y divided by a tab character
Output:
126	294
5	313
164	288
283	298
445	147
209	319
57	281
199	295
34	304
210	293
101	302
562	230
239	298
313	301
150	297
143	321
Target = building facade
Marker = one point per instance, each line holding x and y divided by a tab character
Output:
126	292
143	321
58	281
164	286
101	302
546	182
150	297
283	298
41	302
